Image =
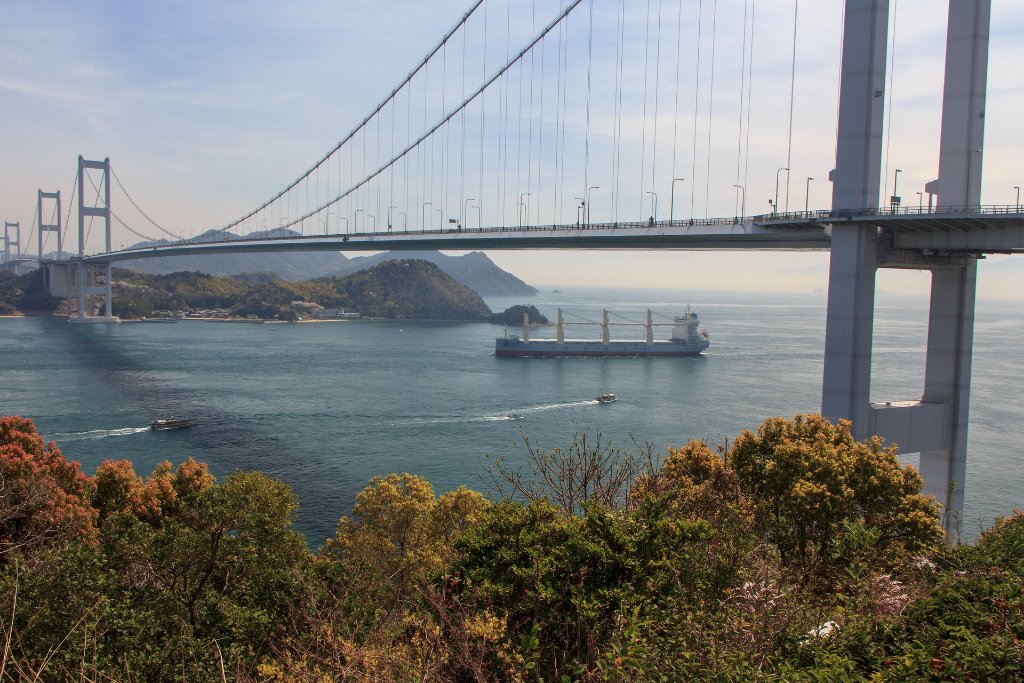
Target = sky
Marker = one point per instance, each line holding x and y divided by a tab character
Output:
207	109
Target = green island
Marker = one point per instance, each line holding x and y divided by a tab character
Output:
793	553
408	288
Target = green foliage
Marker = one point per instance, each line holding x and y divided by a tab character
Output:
402	531
25	294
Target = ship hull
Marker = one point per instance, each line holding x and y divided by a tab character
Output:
516	348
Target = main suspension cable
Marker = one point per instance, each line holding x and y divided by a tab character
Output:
365	121
515	60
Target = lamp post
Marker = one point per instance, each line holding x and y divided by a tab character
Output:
1017	187
356	219
586	211
775	206
465	211
327	223
423	217
405	221
389	216
894	200
807	196
672	199
440	221
654	202
743	199
479	217
920	202
280	223
580	211
343	218
523	206
374	224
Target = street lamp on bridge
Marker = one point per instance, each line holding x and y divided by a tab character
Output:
586	211
327	222
894	200
522	209
405	220
374	219
775	206
389	216
465	211
807	196
423	216
743	200
1017	187
356	219
672	198
654	202
920	202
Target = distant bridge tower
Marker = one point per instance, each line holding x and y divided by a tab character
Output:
45	227
936	425
9	261
87	274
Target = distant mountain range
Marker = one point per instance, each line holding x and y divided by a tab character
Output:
475	270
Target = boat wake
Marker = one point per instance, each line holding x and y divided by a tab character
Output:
93	434
514	414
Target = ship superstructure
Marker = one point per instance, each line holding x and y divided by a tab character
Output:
688	338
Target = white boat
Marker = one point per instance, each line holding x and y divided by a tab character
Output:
607	398
169	423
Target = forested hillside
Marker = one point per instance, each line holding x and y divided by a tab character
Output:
394	289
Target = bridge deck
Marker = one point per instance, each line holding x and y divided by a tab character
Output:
981	230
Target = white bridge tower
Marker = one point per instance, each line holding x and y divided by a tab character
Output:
88	275
936	425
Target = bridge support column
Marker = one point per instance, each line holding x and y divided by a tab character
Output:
948	382
85	279
846	382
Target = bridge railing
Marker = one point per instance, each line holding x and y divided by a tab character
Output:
979	210
553	227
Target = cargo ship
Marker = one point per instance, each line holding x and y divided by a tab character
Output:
688	338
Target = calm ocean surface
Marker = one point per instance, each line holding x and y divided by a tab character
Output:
325	407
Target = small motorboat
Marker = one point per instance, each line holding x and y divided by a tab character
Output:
515	416
607	398
170	423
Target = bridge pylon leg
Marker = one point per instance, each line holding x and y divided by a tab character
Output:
948	383
846	381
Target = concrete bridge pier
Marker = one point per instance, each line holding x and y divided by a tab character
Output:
948	383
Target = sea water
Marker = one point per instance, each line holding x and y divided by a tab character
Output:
326	407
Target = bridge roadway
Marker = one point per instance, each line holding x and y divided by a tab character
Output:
976	231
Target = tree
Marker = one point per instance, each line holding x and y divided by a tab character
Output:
43	496
401	530
810	480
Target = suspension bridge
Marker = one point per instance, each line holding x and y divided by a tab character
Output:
521	114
